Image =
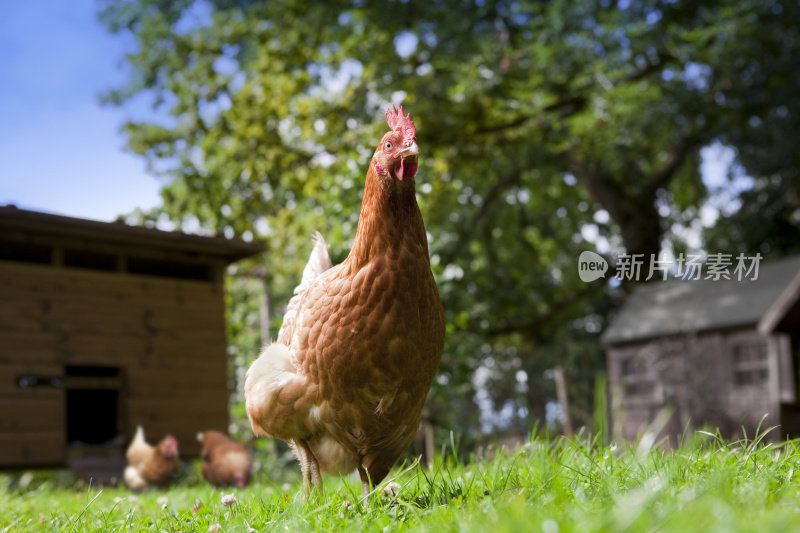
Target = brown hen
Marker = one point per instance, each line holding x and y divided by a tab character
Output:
148	465
360	343
225	461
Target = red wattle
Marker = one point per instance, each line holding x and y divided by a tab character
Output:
411	169
398	170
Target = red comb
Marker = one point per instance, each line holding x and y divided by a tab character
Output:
402	123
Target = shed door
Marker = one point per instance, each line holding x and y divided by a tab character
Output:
93	408
31	415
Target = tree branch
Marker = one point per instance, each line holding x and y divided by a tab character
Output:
662	59
677	155
567	107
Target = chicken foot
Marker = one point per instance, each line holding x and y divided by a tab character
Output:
312	480
371	477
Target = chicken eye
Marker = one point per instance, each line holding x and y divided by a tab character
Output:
387	146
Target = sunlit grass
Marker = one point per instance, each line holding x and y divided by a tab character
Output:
569	485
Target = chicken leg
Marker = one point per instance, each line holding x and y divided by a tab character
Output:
366	483
312	480
372	474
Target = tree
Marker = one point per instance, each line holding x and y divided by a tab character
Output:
546	128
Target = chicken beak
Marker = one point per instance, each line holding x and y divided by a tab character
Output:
411	150
407	166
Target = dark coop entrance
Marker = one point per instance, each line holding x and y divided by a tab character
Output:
93	395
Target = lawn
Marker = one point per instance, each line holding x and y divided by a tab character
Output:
568	485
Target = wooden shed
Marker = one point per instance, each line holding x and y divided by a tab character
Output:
105	326
682	354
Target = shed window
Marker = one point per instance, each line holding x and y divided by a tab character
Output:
638	382
636	366
25	252
169	269
90	260
749	362
639	389
628	366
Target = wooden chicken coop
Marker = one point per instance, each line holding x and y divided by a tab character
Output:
682	354
105	326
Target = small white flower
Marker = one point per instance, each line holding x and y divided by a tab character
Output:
391	490
162	501
213	528
228	499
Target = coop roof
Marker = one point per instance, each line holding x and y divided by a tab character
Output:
676	306
13	219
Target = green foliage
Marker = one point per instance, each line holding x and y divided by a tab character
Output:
540	124
767	220
567	485
766	215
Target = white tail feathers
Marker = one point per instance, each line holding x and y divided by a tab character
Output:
265	386
139	436
318	262
137	453
138	450
134	479
274	360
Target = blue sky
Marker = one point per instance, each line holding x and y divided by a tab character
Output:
60	149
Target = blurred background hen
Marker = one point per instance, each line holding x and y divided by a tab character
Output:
150	466
226	462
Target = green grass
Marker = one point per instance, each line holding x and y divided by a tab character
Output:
707	485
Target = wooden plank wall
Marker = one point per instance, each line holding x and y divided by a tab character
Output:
166	335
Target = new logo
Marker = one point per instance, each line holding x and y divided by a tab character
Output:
591	266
